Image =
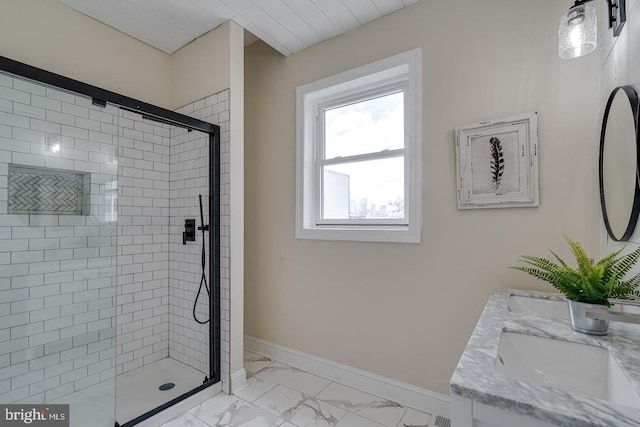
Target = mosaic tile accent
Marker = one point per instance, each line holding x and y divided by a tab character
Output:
35	190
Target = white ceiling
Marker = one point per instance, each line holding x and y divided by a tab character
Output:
289	26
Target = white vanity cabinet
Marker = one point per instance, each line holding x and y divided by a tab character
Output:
468	413
528	368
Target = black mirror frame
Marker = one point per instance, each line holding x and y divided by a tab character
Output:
635	210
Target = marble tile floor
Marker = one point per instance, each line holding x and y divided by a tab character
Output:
278	395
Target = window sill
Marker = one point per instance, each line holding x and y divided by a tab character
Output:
360	234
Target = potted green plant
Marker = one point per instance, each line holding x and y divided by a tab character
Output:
590	285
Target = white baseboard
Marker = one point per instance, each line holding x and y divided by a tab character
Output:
387	388
238	380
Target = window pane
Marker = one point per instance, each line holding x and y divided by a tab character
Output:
365	127
364	190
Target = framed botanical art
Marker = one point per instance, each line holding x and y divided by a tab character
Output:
497	163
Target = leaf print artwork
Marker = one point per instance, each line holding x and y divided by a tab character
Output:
497	162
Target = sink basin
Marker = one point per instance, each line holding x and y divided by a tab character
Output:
572	367
549	308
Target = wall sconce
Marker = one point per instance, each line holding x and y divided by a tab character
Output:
578	33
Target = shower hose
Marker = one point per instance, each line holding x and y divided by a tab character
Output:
203	279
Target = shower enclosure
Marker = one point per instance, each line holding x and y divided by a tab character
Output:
99	289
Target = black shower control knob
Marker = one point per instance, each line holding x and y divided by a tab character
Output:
190	230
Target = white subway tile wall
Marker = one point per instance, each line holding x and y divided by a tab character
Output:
57	272
142	332
189	341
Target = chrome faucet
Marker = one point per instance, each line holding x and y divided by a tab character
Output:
615	316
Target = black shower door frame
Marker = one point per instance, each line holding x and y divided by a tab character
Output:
100	97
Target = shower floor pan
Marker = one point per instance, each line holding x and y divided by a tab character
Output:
138	391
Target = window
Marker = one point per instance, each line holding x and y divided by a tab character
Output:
359	164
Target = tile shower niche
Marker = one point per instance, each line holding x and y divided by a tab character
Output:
35	190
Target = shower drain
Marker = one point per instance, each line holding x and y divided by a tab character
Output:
167	386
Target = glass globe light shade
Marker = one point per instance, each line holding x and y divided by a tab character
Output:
578	32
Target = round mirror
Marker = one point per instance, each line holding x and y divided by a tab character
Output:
619	159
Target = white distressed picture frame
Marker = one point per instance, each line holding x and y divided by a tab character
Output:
497	163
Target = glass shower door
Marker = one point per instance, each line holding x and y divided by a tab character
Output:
58	213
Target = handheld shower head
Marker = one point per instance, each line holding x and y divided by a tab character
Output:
202	226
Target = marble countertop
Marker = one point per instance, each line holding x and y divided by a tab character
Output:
475	377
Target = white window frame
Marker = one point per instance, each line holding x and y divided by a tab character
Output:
399	72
